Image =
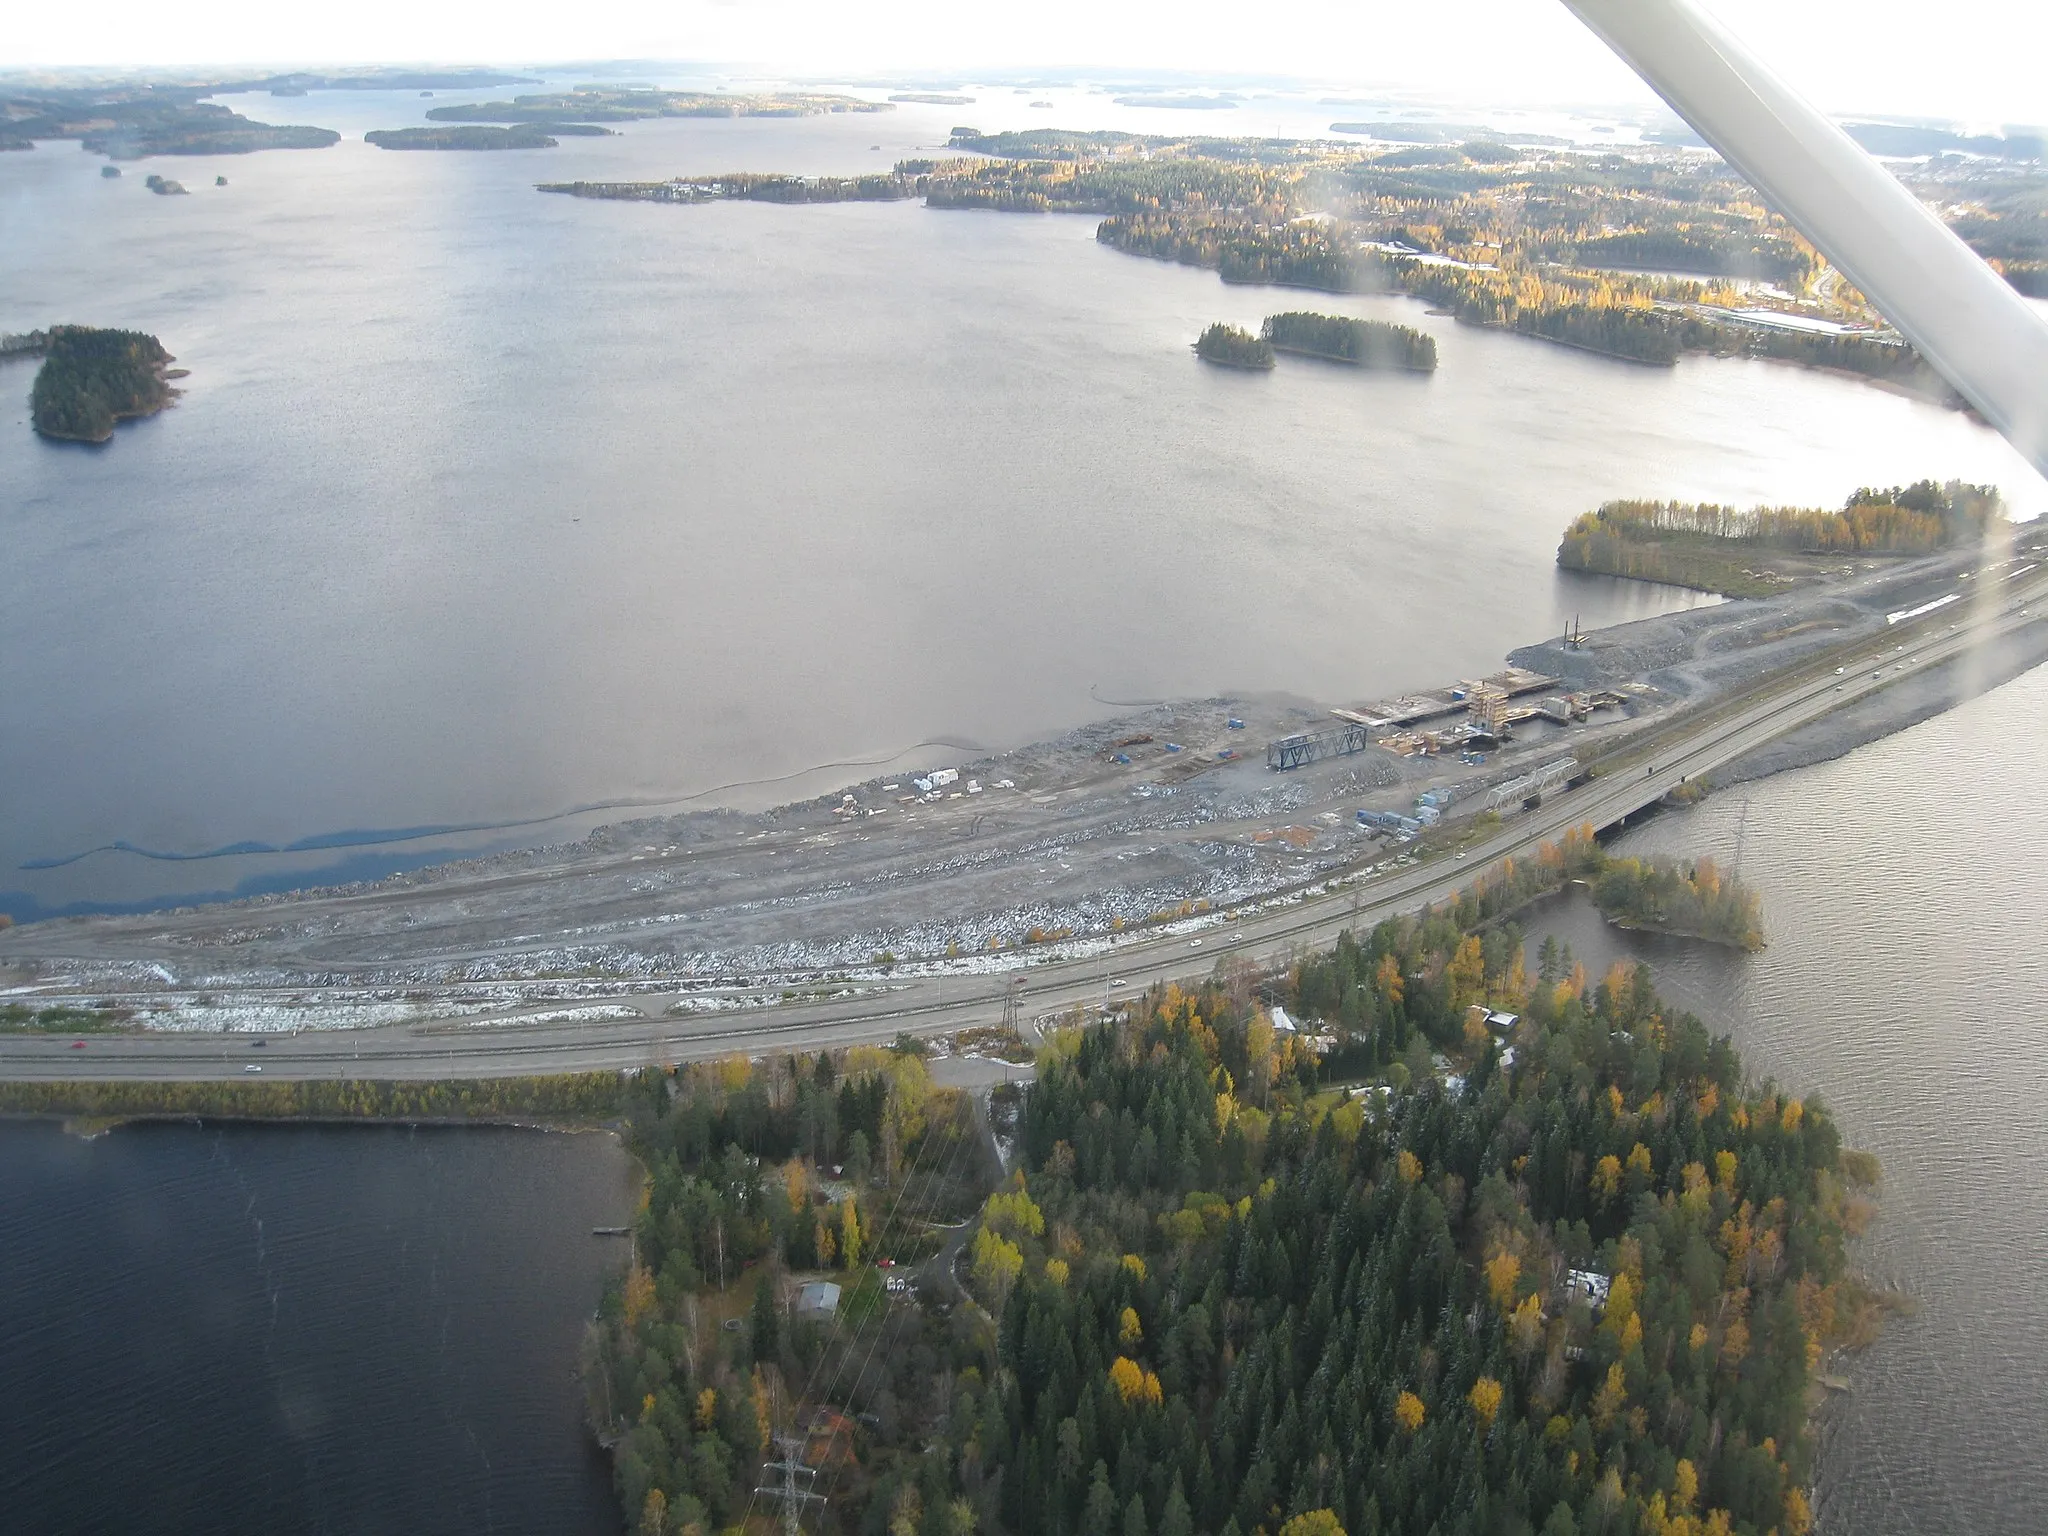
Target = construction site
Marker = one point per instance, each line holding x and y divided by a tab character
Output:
1475	717
1166	820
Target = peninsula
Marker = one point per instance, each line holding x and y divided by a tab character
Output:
91	379
130	121
1487	1222
1767	549
1511	235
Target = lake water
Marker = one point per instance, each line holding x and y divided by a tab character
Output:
484	505
1903	983
308	1328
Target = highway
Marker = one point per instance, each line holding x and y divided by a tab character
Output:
476	1047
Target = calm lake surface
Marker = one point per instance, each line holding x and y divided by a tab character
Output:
1904	984
482	504
307	1328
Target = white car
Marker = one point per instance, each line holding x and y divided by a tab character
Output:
252	1067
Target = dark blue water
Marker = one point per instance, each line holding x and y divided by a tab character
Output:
286	1329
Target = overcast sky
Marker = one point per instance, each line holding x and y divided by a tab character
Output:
1977	59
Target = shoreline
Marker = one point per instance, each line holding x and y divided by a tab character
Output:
92	1127
1349	362
1139	822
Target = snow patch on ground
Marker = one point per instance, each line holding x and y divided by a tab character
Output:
193	1016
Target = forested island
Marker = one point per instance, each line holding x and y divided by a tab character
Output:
129	121
1233	348
604	105
1464	136
91	379
748	186
479	136
1182	101
1432	1269
1663	896
1762	550
1362	343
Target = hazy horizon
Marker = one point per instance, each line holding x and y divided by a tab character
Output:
1979	67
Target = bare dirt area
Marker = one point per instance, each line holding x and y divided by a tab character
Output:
1167	816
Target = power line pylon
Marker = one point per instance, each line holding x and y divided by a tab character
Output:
790	1468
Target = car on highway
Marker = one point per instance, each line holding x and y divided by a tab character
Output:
78	1045
1116	981
1194	943
252	1067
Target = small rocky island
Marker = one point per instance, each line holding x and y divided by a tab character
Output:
92	378
1234	348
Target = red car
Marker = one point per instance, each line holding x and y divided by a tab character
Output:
78	1045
